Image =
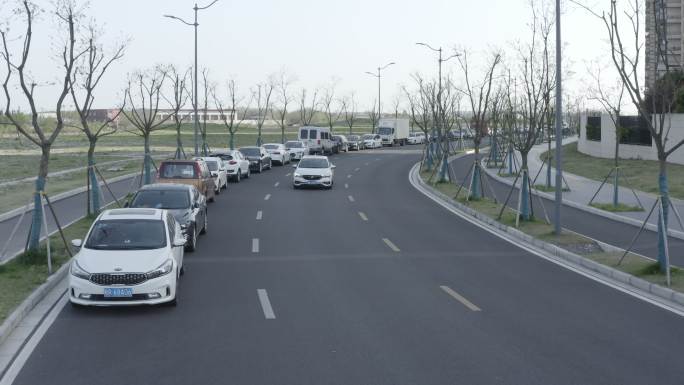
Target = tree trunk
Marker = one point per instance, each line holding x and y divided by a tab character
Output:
548	161
180	152
94	185
259	140
665	201
232	140
282	133
37	218
147	161
616	182
524	189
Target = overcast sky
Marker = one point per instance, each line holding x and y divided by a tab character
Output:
314	40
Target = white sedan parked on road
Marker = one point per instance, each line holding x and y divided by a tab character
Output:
129	257
372	141
313	171
416	138
237	166
218	172
297	149
278	153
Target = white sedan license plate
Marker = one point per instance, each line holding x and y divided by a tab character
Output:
118	292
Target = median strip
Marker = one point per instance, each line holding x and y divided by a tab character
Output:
391	245
266	304
460	298
255	245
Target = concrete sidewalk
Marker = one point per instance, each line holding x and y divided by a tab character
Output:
582	189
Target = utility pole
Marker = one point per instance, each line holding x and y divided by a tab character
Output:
196	87
379	76
559	125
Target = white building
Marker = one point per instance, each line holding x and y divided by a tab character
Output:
666	16
597	138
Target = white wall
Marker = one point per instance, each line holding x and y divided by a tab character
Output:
606	147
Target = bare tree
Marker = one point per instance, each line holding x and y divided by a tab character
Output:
143	95
332	114
349	107
284	99
526	110
262	96
610	97
306	110
231	114
656	107
181	95
374	116
421	113
396	103
87	74
478	97
36	131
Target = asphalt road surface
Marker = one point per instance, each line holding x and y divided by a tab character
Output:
370	284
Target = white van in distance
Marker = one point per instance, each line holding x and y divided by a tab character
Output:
317	139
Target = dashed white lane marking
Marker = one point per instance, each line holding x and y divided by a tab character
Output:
349	176
391	245
259	215
367	163
460	298
276	184
346	185
351	198
357	169
255	245
267	197
265	304
363	216
288	174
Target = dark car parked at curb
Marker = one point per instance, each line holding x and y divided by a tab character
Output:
355	143
259	159
187	205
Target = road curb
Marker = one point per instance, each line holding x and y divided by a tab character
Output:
67	194
606	214
18	314
602	273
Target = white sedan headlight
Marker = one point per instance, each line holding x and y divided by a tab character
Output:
78	271
163	269
297	175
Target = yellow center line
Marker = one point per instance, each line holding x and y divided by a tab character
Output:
460	298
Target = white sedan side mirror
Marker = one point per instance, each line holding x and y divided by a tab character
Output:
179	242
76	243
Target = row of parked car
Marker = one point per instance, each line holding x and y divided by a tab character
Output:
134	255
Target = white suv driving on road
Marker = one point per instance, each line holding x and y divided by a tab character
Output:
129	257
313	170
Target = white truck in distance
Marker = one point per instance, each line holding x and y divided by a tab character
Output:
393	131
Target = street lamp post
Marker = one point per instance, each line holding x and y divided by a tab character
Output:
195	25
379	75
439	91
559	116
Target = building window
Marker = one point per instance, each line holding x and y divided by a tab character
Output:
634	130
593	128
